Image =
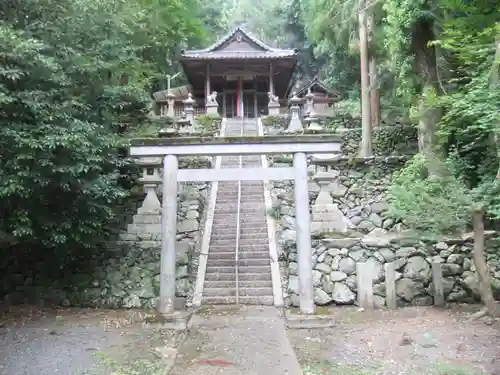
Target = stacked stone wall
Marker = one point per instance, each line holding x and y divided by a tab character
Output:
123	273
359	189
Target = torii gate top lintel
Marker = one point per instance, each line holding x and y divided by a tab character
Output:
320	143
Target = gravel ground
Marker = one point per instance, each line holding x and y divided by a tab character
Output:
78	341
409	341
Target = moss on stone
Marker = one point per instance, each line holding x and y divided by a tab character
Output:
270	139
395	139
280	122
210	124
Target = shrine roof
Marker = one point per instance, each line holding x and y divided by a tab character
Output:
238	44
316	83
180	92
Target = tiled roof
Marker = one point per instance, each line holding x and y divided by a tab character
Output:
180	92
235	55
315	81
214	52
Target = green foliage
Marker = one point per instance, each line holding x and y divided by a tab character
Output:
72	84
427	202
398	138
195	162
208	124
280	122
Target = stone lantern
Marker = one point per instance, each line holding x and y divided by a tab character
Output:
295	122
151	178
188	107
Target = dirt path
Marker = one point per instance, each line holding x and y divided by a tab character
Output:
408	341
79	341
237	341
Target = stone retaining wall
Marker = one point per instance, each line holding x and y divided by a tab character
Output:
334	274
130	277
124	274
359	190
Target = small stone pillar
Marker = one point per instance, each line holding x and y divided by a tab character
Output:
309	102
303	226
326	215
166	303
274	104
312	119
171	104
146	224
188	107
211	106
185	125
295	123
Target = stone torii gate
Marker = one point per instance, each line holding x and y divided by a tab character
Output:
171	148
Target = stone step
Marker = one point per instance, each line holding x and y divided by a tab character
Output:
222	235
250	226
244	194
245	216
245	243
244	300
256	201
252	236
245	190
249	221
242	284
241	254
225	208
215	248
241	269
230	292
245	186
243	262
241	276
223	231
228	228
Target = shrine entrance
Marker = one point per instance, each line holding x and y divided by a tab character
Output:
171	148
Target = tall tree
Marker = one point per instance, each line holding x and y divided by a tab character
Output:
366	124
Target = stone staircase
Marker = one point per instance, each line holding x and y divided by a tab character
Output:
254	271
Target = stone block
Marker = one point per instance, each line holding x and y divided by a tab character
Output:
144	228
147	219
212	109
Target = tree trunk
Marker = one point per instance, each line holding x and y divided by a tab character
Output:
366	131
478	256
374	89
494	83
426	64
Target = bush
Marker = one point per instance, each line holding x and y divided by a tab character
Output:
208	124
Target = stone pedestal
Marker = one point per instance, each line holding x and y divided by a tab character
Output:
274	109
326	215
146	224
169	131
188	107
184	125
212	109
295	122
